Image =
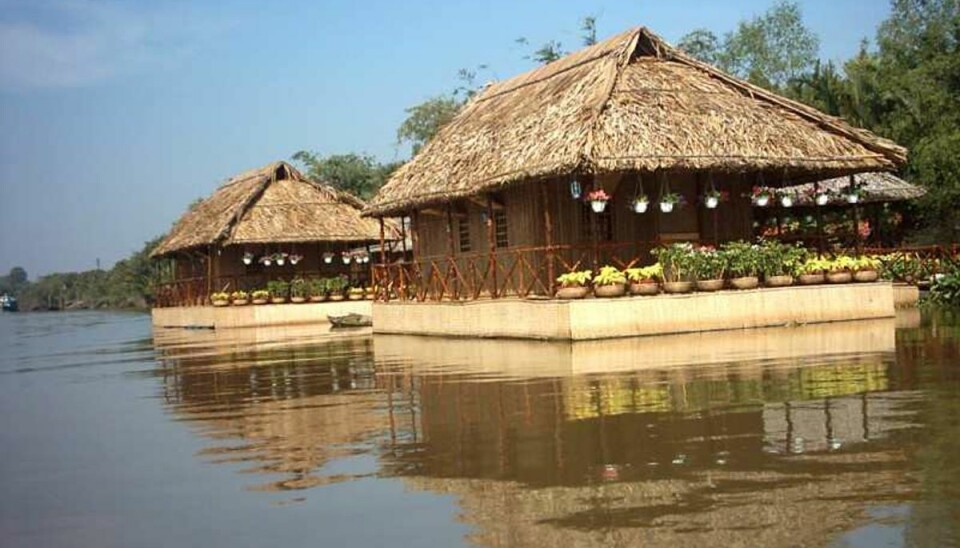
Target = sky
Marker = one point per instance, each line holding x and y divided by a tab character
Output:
115	115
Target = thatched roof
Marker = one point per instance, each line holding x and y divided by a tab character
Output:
631	102
878	187
272	204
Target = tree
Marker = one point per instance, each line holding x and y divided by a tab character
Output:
425	120
588	30
359	174
701	44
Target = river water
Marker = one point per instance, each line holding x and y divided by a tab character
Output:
833	435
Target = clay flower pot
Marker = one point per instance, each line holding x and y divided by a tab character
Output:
678	287
573	292
219	302
812	279
318	298
779	281
336	297
298	300
839	277
644	288
260	301
240	302
606	291
745	282
355	296
866	276
709	285
278	300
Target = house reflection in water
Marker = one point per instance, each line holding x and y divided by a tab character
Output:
541	446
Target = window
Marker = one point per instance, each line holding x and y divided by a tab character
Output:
500	227
463	231
604	223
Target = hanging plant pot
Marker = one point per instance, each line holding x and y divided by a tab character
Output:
640	206
666	207
786	201
822	199
266	262
598	205
247	258
280	262
853	198
711	202
762	201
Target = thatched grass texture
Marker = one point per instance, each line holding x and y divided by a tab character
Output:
878	187
629	103
272	204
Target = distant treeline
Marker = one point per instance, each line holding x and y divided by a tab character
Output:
129	284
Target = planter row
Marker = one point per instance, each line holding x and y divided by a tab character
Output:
748	282
294	300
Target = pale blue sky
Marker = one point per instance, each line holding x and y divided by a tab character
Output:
115	115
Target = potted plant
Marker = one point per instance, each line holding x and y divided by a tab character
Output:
743	264
822	198
574	285
598	200
345	256
247	257
220	298
786	198
295	258
370	292
708	266
669	201
335	287
355	294
712	198
266	260
260	296
318	290
676	260
840	269
779	262
279	258
866	269
813	271
641	203
279	290
645	281
761	196
853	194
327	257
299	290
609	282
239	298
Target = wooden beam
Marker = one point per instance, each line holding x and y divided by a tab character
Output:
548	238
489	201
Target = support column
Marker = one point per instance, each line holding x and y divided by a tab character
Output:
383	243
492	248
856	220
548	239
451	250
819	210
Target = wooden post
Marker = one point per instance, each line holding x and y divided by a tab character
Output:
548	239
209	270
856	219
819	210
415	233
383	243
492	248
451	250
403	235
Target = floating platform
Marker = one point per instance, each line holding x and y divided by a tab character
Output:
593	318
227	317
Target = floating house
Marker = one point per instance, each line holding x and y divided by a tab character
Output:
497	199
267	224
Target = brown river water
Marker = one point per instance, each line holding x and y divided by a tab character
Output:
831	435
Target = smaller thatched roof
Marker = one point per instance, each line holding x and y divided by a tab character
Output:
272	204
877	186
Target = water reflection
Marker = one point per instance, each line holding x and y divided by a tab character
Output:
780	436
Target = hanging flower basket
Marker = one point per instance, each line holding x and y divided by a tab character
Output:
669	201
822	199
266	260
280	258
712	198
247	258
786	200
761	196
345	257
598	200
640	204
294	258
327	258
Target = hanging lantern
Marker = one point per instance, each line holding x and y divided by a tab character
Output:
822	199
576	190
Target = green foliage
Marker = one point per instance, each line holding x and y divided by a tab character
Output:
814	265
260	294
318	287
743	259
424	120
609	275
779	259
299	287
336	284
278	289
239	296
653	272
708	264
358	174
677	261
575	279
945	289
220	296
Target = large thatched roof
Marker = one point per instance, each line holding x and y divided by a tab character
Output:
631	102
272	204
877	186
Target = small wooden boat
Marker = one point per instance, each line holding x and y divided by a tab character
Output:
351	320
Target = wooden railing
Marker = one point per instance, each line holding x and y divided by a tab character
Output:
519	272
